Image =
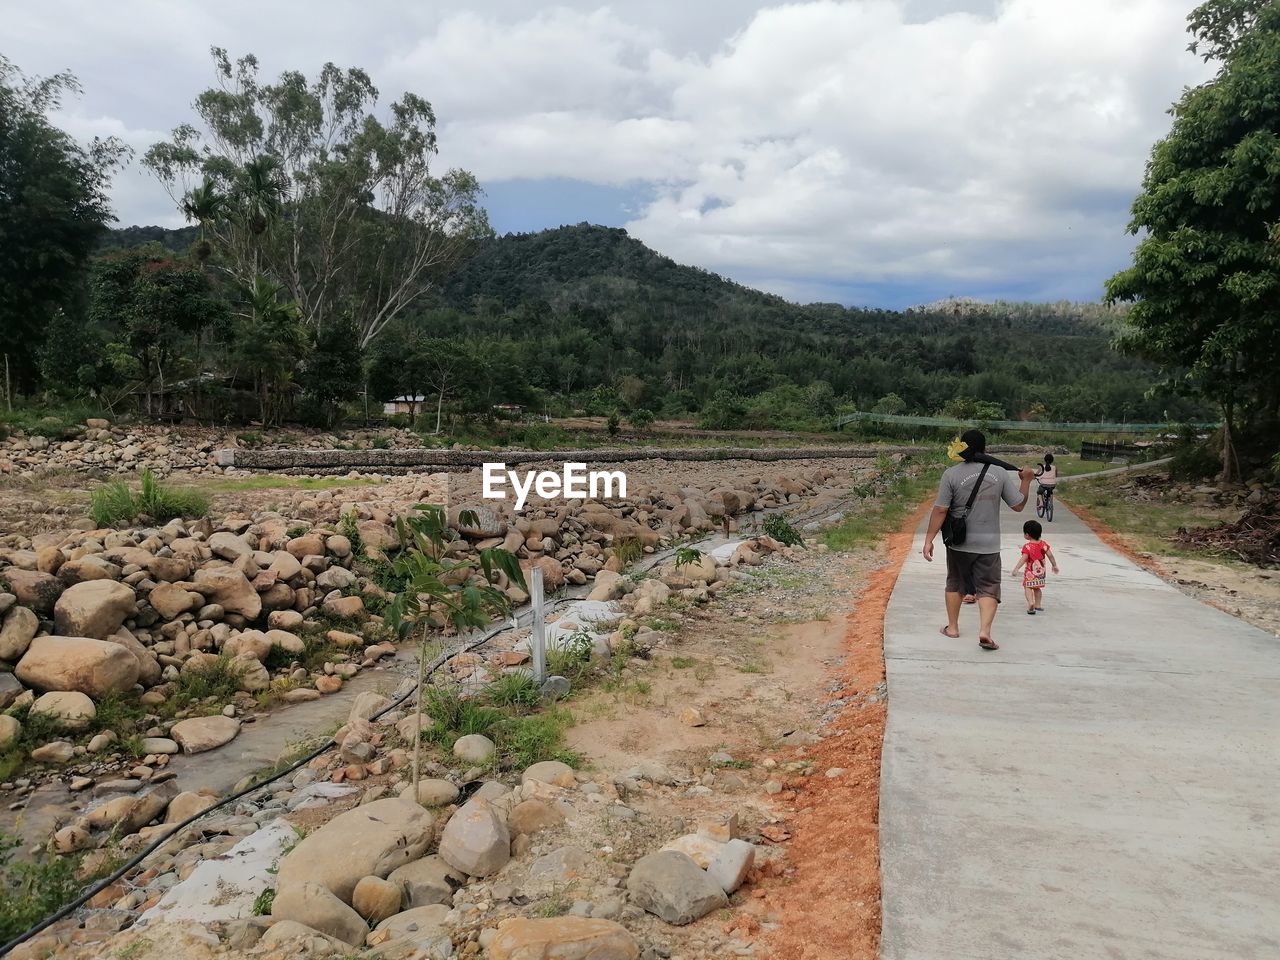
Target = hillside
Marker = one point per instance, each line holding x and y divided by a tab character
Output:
588	317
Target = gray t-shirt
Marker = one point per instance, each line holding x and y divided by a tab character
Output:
983	526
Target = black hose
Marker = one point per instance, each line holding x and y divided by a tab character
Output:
102	884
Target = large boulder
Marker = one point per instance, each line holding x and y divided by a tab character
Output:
89	567
371	840
314	905
39	591
93	667
228	546
427	881
68	709
562	938
420	923
229	589
94	608
131	812
198	734
149	670
476	840
172	600
674	888
20	626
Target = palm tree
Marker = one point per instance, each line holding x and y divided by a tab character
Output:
262	192
203	205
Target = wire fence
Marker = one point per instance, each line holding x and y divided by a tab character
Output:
1025	426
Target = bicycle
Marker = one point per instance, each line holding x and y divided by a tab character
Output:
1044	504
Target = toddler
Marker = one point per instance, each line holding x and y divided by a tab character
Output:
1034	554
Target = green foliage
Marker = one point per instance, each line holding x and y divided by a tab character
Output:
332	373
218	680
516	689
319	193
687	555
262	902
30	891
1204	280
641	419
614	424
523	741
53	205
455	716
437	586
1192	458
114	503
780	528
628	550
349	527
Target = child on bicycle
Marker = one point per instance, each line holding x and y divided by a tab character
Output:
1034	554
1047	478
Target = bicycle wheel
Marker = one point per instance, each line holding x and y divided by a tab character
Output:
1048	509
1040	506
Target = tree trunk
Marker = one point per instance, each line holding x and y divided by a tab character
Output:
439	409
1228	443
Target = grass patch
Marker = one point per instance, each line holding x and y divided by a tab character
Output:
1148	525
683	663
518	689
524	741
215	682
884	513
279	482
114	503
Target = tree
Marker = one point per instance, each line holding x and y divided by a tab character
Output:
154	307
339	207
331	375
53	207
1205	279
268	340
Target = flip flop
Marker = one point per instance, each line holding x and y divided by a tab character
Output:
986	643
943	631
969	598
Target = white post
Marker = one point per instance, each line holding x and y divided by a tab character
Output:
539	644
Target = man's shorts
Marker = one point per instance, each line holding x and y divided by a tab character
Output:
980	570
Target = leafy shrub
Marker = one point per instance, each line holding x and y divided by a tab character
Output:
641	419
613	424
778	527
114	503
349	527
686	556
29	892
1193	459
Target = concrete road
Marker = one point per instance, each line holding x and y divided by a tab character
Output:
1106	785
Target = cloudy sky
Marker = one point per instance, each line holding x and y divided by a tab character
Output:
880	152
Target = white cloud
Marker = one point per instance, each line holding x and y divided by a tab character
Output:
802	145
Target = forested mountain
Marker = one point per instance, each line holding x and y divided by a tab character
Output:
586	317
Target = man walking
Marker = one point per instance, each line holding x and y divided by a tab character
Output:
975	561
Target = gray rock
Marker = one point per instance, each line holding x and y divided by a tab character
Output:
476	840
674	888
730	867
427	881
474	748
